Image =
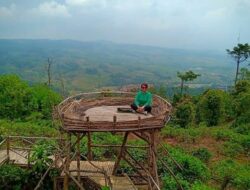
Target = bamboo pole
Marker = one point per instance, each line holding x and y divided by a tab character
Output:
8	148
117	146
121	153
90	155
66	166
78	158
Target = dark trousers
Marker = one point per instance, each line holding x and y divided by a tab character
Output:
146	108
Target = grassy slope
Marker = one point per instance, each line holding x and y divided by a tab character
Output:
221	141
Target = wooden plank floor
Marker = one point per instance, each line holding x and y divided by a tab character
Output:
108	166
106	113
18	159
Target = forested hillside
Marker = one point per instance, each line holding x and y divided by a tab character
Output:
86	66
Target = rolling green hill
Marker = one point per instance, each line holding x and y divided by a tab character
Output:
89	65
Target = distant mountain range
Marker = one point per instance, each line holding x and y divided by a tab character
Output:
85	66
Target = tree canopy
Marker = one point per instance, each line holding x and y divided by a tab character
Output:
187	76
239	53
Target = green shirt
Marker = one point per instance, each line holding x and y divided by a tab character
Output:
143	99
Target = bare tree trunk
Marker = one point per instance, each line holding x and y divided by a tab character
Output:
62	85
49	71
182	84
237	71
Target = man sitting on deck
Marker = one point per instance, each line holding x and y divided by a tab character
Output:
143	100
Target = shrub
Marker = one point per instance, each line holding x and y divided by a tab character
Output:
241	179
232	149
15	97
201	186
170	183
242	86
203	154
214	107
193	170
44	99
243	128
242	104
40	158
13	177
232	174
185	113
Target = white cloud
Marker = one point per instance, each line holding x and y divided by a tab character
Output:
7	11
52	9
76	2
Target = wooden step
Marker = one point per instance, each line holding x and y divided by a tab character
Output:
118	183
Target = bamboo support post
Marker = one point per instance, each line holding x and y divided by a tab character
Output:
152	157
66	166
78	158
8	148
119	157
90	155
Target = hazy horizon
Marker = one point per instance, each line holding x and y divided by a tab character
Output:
209	24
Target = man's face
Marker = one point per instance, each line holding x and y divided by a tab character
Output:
144	88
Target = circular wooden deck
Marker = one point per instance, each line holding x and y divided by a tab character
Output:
98	112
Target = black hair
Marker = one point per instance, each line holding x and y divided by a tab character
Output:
144	84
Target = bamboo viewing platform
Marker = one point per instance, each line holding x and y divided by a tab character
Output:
97	112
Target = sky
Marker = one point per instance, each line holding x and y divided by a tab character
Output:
185	24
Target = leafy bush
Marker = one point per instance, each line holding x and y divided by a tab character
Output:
18	100
15	96
241	179
40	157
242	104
232	174
214	107
243	128
44	99
13	177
242	86
184	113
193	170
203	154
170	183
232	149
201	186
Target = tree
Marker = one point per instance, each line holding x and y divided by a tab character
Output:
15	96
214	107
187	76
50	61
240	53
44	99
244	74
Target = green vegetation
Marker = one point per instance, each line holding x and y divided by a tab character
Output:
213	107
209	136
86	66
187	76
240	53
14	177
